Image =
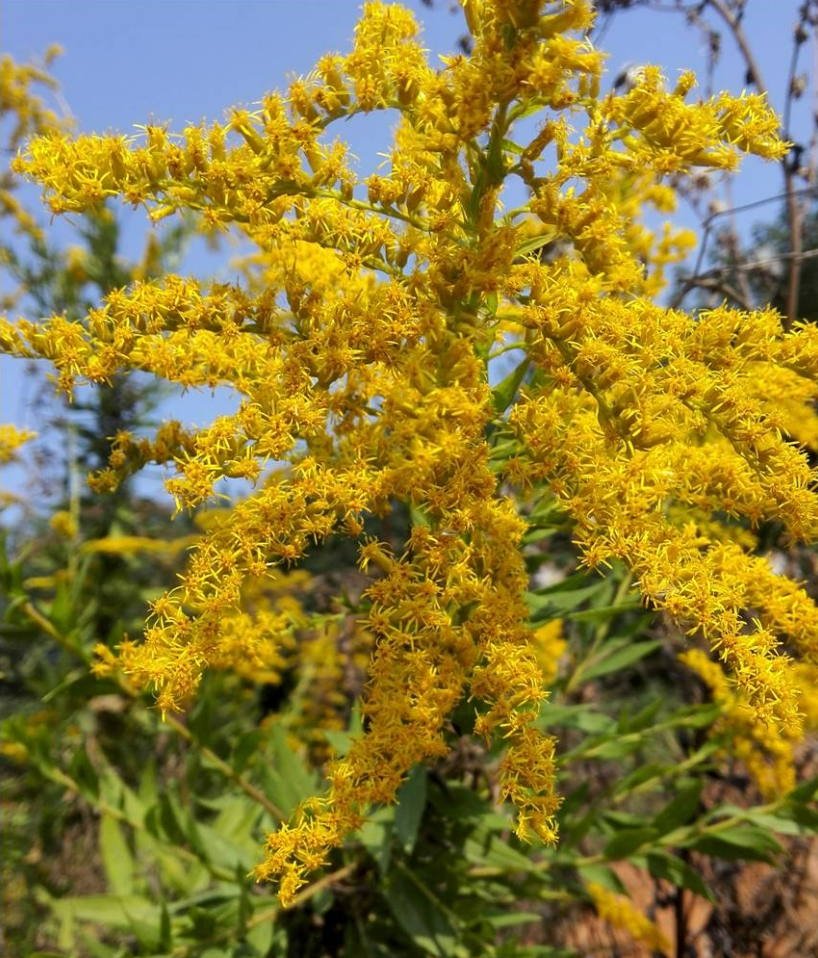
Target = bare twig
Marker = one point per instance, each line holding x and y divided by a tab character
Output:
794	216
707	225
713	280
719	286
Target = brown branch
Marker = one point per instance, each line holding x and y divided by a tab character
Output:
793	211
714	284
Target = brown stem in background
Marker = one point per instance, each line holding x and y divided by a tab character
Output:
794	215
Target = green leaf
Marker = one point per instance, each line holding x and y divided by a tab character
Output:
602	875
628	841
775	823
116	856
583	717
678	873
643	774
503	394
617	747
507	919
603	612
116	793
93	947
806	817
681	809
112	911
644	719
260	937
376	837
546	951
558	603
418	516
246	747
737	842
165	932
527	108
545	512
490	303
148	789
11	573
695	716
218	848
61	612
420	914
623	819
495	163
85	775
78	682
411	801
571	582
219	894
511	147
804	792
167	819
288	781
485	846
535	243
619	658
237	819
537	535
479	188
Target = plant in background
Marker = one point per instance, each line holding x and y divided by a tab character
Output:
627	439
71	566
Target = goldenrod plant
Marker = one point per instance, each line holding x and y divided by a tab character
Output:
402	356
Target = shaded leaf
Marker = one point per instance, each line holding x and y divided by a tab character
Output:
619	658
411	801
628	841
678	873
737	842
420	915
681	809
116	856
504	392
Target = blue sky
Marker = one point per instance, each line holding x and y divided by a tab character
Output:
180	61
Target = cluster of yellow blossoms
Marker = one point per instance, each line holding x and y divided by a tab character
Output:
361	345
26	115
766	751
11	439
620	912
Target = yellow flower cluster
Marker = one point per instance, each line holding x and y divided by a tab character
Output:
11	438
549	647
330	662
652	416
767	752
24	114
620	912
360	346
64	524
